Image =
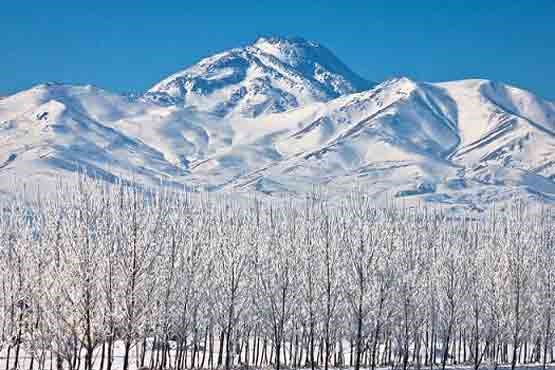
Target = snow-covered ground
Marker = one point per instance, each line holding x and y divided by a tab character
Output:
150	357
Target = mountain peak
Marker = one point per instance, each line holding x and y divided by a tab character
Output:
283	41
294	51
274	74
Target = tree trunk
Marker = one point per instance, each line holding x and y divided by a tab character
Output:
110	357
359	336
102	356
126	351
201	365
221	350
8	357
547	337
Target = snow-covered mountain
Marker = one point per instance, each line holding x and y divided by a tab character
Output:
462	143
271	75
52	128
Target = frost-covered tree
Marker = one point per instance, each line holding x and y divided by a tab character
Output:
139	236
182	280
232	265
519	263
360	239
276	264
545	297
329	281
451	284
409	286
15	280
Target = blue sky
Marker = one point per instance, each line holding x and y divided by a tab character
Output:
129	45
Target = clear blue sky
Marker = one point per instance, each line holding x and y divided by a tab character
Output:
130	45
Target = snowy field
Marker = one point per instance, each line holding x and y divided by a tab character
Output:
25	362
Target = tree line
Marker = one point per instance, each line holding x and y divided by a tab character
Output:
167	279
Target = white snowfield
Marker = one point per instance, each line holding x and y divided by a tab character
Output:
282	115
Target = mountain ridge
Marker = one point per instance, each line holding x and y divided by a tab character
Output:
466	143
270	75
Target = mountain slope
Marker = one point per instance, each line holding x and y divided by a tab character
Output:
271	75
52	129
458	143
446	141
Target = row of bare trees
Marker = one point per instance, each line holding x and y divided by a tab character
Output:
107	277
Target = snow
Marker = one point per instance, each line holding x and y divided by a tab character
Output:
271	75
283	115
25	359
